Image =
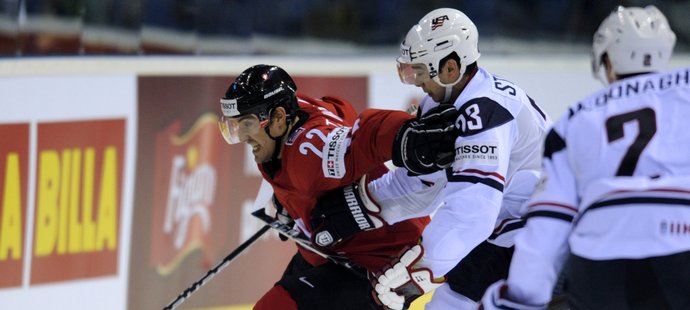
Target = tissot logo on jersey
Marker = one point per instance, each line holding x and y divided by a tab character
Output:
483	153
334	153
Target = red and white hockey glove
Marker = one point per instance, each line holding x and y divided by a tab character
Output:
495	299
342	213
398	286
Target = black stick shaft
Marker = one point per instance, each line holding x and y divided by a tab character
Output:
211	273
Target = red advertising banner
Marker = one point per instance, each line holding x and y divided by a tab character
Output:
14	160
79	179
185	174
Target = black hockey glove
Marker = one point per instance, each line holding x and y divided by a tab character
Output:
342	213
427	144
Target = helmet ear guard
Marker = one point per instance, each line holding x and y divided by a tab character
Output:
635	39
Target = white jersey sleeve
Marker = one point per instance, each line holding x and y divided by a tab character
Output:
542	246
403	197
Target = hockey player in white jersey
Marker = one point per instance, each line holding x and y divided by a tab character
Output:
615	202
476	144
494	169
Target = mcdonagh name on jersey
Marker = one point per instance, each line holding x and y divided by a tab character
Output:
631	87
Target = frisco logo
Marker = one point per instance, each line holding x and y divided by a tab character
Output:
185	184
190	195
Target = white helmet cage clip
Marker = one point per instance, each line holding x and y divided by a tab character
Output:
635	39
437	35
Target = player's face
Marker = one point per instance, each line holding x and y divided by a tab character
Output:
250	130
447	75
262	146
435	91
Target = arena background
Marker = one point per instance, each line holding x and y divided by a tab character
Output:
116	189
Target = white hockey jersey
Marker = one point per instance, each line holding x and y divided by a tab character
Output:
617	182
497	165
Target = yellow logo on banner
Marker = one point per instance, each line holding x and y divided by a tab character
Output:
11	225
59	226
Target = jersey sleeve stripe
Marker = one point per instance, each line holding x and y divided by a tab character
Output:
507	227
551	214
640	200
473	179
570	209
553	210
476	171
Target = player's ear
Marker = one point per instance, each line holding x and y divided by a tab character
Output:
608	66
277	121
453	68
278	115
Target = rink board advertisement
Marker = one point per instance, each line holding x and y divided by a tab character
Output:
65	188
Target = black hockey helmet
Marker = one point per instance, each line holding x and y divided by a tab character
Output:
258	90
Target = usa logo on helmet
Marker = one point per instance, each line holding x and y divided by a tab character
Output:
438	21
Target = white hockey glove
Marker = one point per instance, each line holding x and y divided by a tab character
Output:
427	144
342	213
495	299
398	286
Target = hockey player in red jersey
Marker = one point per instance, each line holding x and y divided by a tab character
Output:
305	147
615	201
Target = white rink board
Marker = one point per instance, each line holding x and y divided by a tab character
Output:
553	81
48	99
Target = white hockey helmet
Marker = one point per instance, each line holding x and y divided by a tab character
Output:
635	40
437	35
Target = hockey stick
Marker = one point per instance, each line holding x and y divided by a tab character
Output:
303	241
215	270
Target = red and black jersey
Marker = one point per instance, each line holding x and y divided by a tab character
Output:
334	148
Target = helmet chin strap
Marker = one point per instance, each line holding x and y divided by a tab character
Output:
449	87
449	91
277	140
